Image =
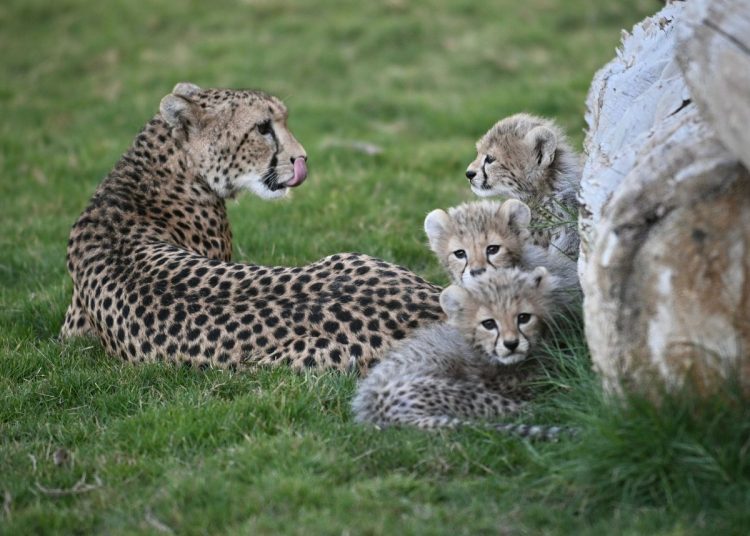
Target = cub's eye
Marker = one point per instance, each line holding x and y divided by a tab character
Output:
489	159
489	324
523	318
491	250
264	128
460	254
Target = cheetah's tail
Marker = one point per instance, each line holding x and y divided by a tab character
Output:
539	432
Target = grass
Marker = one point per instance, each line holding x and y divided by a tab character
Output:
155	449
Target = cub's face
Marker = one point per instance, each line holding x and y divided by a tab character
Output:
502	316
495	171
508	334
239	140
476	239
512	157
467	257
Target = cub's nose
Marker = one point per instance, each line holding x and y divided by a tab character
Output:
511	345
476	271
470	174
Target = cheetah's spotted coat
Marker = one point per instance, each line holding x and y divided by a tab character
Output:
150	255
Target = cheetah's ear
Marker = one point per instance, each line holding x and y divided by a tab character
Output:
544	144
516	215
179	109
186	89
435	225
453	300
540	277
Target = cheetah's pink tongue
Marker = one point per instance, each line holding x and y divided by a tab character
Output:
300	172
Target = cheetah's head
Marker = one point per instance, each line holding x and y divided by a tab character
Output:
238	139
475	239
513	157
502	316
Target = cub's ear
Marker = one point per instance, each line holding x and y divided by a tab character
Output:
435	225
540	277
516	215
543	143
453	300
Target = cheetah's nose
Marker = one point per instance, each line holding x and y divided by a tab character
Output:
470	174
476	271
511	345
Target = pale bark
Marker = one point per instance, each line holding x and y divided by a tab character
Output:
713	49
665	217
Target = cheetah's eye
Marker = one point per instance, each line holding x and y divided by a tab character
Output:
523	318
489	159
489	324
492	249
460	254
264	128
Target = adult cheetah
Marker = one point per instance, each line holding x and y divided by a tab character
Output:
150	255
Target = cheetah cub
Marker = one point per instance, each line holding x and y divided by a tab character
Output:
476	366
475	239
529	158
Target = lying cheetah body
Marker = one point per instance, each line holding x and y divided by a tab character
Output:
529	158
473	368
150	255
479	238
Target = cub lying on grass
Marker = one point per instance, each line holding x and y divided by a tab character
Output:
473	368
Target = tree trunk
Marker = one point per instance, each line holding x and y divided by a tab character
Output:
665	205
713	51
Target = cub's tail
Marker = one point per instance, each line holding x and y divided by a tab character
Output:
539	432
